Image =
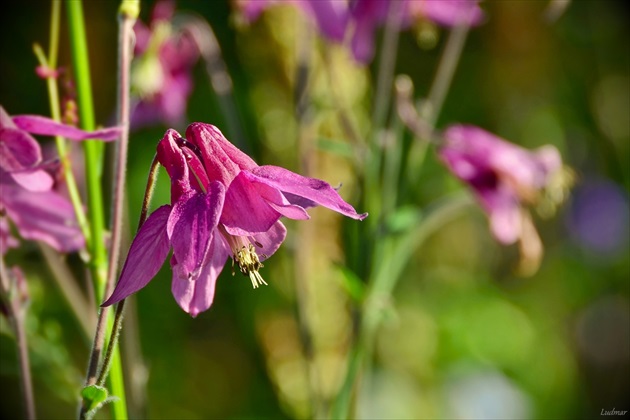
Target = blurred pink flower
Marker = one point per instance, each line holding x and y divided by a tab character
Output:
20	154
503	176
45	216
367	15
331	16
223	204
161	73
361	18
506	179
26	194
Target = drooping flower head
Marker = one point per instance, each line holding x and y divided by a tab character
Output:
360	19
331	16
505	178
26	186
161	74
366	16
222	204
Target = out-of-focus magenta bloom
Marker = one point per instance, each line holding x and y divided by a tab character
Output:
20	154
331	16
504	177
367	15
223	204
161	73
26	195
45	216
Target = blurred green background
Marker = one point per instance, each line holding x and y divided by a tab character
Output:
463	337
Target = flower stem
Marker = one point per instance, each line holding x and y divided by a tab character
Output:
444	74
394	253
15	306
303	290
216	69
98	253
387	61
50	62
110	354
112	349
125	41
69	289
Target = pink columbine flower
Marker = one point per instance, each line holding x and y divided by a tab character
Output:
161	74
222	204
505	179
26	195
45	216
367	15
20	154
331	16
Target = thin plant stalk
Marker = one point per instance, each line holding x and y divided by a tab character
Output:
386	64
125	45
444	74
50	63
118	318
384	276
69	289
93	164
216	69
387	61
16	306
61	272
303	287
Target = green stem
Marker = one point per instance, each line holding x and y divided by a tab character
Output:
69	289
15	304
50	63
387	61
393	253
80	62
216	70
98	254
117	325
125	48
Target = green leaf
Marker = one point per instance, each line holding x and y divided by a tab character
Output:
403	218
335	147
94	395
352	284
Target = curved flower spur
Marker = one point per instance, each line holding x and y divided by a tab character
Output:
222	204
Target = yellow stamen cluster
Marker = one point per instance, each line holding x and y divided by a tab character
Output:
248	262
556	192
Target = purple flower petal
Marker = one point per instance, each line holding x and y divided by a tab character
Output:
267	243
173	159
252	206
450	13
32	179
504	212
222	160
366	16
146	255
191	226
312	189
245	211
18	150
45	216
196	295
331	17
36	124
